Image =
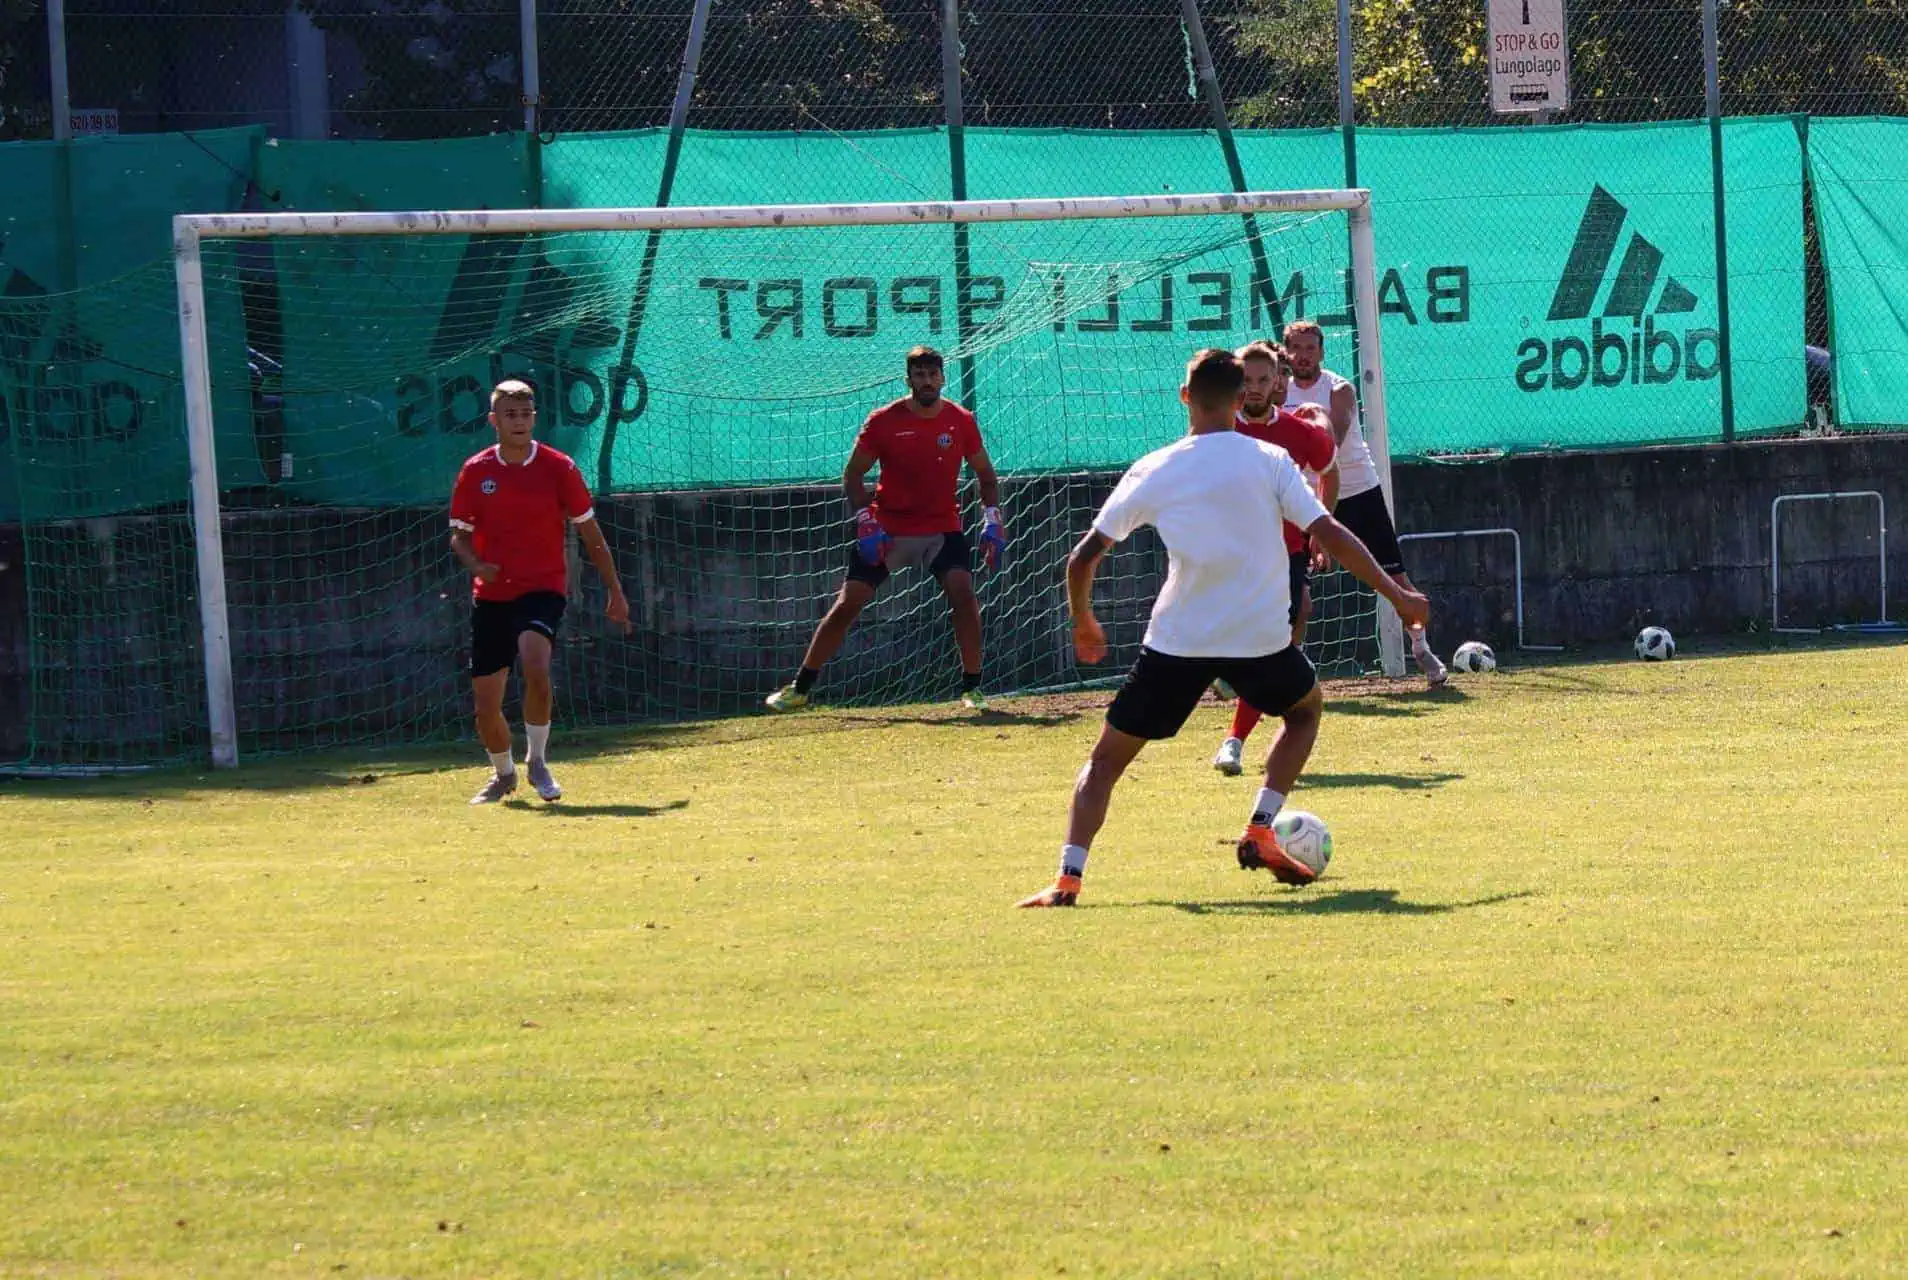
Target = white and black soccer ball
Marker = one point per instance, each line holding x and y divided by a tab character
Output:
1654	644
1305	837
1475	657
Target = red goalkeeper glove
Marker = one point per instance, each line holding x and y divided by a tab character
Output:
871	540
993	537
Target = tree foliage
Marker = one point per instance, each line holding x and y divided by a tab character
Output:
23	93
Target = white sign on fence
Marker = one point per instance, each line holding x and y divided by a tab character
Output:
1530	56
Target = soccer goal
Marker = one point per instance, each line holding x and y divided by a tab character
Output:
708	369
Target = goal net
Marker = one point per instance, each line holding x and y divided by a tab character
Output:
708	369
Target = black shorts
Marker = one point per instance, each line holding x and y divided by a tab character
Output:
1301	578
1366	515
1162	690
496	624
939	553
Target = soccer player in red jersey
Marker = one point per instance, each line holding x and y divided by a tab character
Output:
1312	446
509	519
913	520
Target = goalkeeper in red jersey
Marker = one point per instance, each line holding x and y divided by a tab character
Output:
510	517
1312	447
913	521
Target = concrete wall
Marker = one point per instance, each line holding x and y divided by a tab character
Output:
1680	537
348	626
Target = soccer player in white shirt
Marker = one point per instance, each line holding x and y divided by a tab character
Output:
1361	500
1216	498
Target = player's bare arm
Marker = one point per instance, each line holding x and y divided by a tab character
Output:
1089	641
1328	482
1343	545
854	479
597	547
466	552
986	477
1344	410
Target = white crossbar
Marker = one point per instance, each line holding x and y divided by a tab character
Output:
220	226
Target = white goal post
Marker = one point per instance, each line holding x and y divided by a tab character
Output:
191	230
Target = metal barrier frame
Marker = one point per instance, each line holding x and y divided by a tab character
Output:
1775	561
1517	561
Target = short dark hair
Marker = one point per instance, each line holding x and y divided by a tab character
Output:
1213	378
1305	326
1264	350
925	355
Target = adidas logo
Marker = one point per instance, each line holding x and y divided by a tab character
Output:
55	384
1647	349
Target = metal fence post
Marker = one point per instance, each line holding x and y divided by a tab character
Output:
56	64
1712	96
532	71
1347	108
1216	106
955	109
627	378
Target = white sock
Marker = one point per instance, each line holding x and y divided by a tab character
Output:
1072	860
1418	643
539	736
1266	807
502	763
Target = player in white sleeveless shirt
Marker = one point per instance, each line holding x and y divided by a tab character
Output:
1361	501
1216	498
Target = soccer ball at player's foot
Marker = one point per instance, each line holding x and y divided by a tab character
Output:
1475	657
1305	837
1654	644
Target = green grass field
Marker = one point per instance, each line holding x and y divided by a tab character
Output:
1606	979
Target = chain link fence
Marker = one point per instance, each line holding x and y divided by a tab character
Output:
415	69
837	69
438	68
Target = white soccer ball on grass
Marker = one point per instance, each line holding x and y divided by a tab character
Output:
1305	837
1654	644
1475	657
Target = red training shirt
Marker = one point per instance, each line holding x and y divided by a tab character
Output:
519	518
1310	445
920	465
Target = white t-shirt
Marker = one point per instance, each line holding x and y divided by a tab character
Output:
1356	474
1217	501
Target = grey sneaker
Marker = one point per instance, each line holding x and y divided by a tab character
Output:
546	786
1433	667
499	786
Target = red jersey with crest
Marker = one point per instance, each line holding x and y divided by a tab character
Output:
920	458
518	517
1310	445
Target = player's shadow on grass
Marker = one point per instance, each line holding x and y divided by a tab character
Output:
1396	781
565	809
1334	902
